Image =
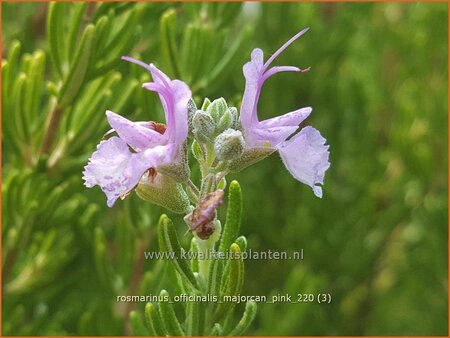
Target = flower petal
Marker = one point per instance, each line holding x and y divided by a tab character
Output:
114	168
181	95
256	72
174	100
174	95
293	118
159	155
306	157
136	134
274	135
252	72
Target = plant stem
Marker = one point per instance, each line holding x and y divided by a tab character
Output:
205	166
51	128
205	247
193	187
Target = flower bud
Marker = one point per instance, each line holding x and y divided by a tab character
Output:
225	122
203	126
229	145
235	119
217	108
192	108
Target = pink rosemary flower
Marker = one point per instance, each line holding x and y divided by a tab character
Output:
120	162
305	154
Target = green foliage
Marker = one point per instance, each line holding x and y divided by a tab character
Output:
168	242
234	216
225	279
377	241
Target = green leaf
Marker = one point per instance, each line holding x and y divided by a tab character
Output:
52	88
125	49
19	118
197	151
9	72
128	88
57	35
215	277
137	327
169	319
79	137
103	8
33	86
78	11
194	250
204	52
120	44
103	266
228	61
247	319
217	330
228	12
189	52
78	69
102	29
195	317
234	215
242	242
168	242
168	41
232	283
153	320
93	104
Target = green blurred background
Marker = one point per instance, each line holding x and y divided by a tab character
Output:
377	241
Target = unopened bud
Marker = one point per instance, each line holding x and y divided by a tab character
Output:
192	108
234	115
225	122
203	126
229	145
217	108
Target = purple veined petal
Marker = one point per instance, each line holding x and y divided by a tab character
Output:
274	135
135	134
114	168
294	118
306	157
282	48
